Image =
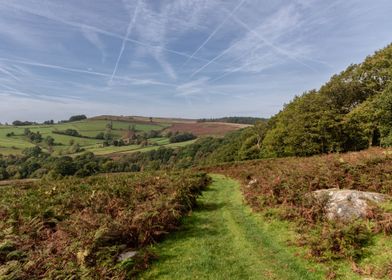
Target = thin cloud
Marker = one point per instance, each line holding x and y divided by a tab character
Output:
9	73
81	71
129	29
216	58
84	26
215	31
272	45
94	39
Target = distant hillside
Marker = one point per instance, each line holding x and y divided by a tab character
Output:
240	120
216	127
107	135
143	119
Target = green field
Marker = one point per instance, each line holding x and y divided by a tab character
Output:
15	144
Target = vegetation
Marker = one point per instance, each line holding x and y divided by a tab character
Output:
22	123
78	228
281	188
35	163
351	112
181	137
77	118
222	239
69	132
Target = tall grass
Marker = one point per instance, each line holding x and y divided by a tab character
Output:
77	228
282	187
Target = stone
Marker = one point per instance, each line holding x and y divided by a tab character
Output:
348	205
251	183
126	255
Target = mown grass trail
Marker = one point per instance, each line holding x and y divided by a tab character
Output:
223	239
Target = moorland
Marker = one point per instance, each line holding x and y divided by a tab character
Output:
152	198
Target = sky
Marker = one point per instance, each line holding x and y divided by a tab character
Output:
177	58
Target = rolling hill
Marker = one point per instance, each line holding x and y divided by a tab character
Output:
13	140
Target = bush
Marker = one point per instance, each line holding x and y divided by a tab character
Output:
182	137
69	132
76	228
77	118
22	123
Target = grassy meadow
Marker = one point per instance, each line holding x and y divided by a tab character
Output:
90	127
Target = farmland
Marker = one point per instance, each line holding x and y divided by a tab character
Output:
13	140
90	128
206	128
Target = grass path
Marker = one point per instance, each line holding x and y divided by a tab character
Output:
223	239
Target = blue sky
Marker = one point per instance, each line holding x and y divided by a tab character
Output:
180	58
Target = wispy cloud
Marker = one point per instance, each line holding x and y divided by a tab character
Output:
129	29
193	87
184	57
68	17
93	38
7	72
82	71
212	34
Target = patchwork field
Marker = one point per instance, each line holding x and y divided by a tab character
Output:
13	140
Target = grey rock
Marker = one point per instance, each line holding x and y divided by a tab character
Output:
347	205
126	255
251	183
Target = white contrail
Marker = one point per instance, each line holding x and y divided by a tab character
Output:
101	31
267	42
215	58
238	69
5	71
76	70
214	32
264	40
129	29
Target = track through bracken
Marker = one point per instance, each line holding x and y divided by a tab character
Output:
223	239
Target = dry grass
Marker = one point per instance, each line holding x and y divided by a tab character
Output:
280	188
78	227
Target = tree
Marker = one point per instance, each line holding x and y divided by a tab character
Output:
109	125
181	137
260	130
32	152
384	115
64	166
49	140
77	118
